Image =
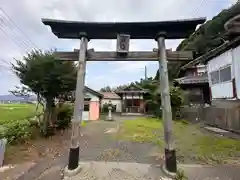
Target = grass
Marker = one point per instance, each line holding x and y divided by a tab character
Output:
192	143
141	130
9	112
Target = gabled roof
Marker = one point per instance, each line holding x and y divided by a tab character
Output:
232	26
133	88
110	95
93	92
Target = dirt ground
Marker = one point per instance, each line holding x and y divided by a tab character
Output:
37	149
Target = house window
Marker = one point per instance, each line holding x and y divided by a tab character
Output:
225	74
86	107
221	75
214	77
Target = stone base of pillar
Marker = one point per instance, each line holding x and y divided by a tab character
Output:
68	174
73	158
109	119
170	161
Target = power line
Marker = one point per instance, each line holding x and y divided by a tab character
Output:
4	61
19	44
12	33
19	29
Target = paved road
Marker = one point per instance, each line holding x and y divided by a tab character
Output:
97	145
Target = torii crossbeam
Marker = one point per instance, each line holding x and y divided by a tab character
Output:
173	56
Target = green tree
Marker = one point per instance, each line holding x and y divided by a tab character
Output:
211	34
48	78
153	97
106	89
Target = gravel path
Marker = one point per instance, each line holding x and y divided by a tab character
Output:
97	144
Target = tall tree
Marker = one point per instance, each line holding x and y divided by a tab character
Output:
47	77
106	89
211	34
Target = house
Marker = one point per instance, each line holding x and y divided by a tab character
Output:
92	100
223	70
223	67
114	98
132	99
223	73
194	81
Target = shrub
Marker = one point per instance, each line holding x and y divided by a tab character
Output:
64	116
105	108
16	131
176	97
154	102
154	108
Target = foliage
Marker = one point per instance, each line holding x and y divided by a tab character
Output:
21	91
120	87
113	89
47	77
153	97
211	34
105	108
180	175
200	146
16	131
176	97
106	89
207	37
64	116
173	70
19	130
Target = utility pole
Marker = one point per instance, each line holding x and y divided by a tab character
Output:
78	106
170	153
145	72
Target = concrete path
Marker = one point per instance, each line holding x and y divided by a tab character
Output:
117	171
96	170
98	148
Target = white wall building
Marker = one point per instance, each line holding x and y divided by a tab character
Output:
224	72
114	98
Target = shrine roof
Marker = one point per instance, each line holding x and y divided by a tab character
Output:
132	88
176	29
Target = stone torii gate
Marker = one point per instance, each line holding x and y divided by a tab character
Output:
123	31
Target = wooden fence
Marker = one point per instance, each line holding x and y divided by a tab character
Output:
3	143
224	118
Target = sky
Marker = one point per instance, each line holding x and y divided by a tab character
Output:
21	30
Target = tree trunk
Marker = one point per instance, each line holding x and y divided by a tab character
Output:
49	118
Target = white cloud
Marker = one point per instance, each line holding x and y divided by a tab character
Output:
27	15
99	77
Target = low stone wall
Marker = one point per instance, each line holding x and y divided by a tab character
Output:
224	118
